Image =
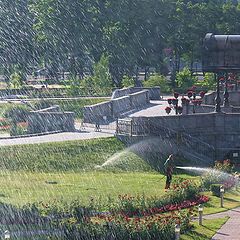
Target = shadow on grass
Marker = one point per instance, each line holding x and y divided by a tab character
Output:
196	235
231	199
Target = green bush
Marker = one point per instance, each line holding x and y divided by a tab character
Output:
185	80
16	130
215	189
158	80
224	166
209	81
17	113
127	81
101	82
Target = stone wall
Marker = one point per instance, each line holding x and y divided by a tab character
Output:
98	112
122	92
121	105
209	109
220	130
107	111
50	119
154	92
139	99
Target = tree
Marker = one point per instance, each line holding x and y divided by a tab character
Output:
16	37
102	78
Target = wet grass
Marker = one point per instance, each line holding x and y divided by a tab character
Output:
54	157
66	171
77	156
231	200
206	231
19	188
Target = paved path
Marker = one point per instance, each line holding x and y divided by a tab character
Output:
231	229
155	108
88	133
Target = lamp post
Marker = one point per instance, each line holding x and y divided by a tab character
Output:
175	102
200	212
226	93
221	196
217	99
177	232
6	234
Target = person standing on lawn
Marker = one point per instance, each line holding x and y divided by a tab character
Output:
168	167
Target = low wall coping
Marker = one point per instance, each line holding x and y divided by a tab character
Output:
97	104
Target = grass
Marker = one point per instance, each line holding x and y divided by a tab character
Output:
26	187
67	171
67	156
75	105
54	157
4	106
206	231
231	200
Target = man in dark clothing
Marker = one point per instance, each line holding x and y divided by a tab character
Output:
169	166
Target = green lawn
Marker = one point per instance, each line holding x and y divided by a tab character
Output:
231	200
20	188
68	171
206	231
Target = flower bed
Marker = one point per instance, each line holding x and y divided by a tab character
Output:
124	227
167	208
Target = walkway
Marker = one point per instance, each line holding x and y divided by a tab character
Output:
231	229
155	108
87	133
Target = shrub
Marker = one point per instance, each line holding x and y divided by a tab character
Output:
127	81
215	189
122	227
209	81
182	190
225	166
17	130
158	80
184	79
17	113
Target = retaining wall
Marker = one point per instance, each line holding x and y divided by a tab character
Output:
107	111
120	105
97	112
139	99
221	130
48	120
